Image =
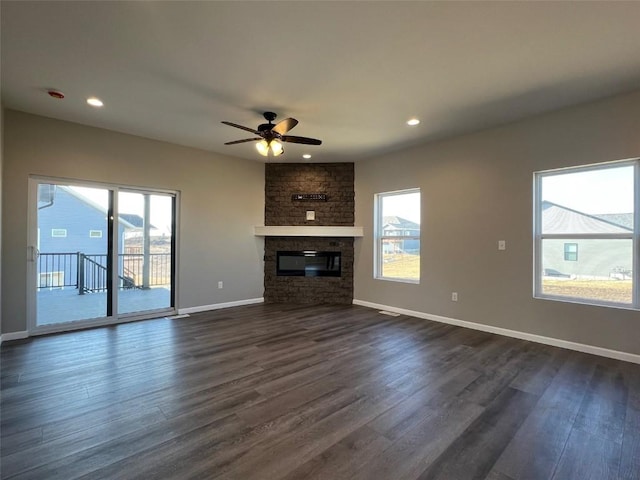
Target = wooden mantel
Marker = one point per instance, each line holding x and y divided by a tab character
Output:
308	231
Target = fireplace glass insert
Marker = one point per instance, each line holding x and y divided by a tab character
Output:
309	263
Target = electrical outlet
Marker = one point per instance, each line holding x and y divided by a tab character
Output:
220	284
311	214
454	296
502	244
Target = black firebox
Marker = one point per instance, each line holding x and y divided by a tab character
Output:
308	263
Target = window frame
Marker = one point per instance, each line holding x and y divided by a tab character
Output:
570	253
634	235
379	238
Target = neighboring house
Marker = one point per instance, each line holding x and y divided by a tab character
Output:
71	222
397	226
69	225
587	258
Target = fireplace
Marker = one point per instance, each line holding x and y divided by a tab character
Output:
315	264
308	263
305	287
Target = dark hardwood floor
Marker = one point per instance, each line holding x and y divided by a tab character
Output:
296	392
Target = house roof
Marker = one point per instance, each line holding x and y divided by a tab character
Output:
623	219
129	221
557	219
351	72
399	223
136	220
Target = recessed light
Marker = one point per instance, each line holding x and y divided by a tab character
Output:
94	102
306	155
413	122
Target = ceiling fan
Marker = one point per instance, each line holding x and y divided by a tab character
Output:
271	136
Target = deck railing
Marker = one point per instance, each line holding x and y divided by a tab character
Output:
88	272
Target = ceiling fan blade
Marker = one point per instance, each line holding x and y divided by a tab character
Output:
285	125
305	140
243	141
241	127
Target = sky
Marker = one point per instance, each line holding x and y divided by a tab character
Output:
130	202
404	205
596	191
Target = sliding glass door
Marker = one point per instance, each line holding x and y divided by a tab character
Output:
71	256
145	233
99	254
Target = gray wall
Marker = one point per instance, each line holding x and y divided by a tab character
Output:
222	198
476	190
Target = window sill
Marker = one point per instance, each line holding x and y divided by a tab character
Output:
587	302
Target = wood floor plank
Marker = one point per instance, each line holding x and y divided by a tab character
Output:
170	457
536	448
277	460
422	444
630	456
603	408
344	459
398	420
589	457
497	475
474	452
265	435
19	462
539	372
293	392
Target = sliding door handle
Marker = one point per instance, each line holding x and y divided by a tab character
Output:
34	254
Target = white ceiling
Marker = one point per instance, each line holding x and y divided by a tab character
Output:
352	73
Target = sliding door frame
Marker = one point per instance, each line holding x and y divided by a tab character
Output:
112	317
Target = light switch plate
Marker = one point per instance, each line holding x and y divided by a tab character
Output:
502	244
311	214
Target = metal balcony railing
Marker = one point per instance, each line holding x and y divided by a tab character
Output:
88	272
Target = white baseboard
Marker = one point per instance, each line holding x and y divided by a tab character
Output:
217	306
556	342
5	337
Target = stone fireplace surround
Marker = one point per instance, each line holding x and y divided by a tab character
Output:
282	180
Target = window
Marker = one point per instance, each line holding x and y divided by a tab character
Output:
593	210
59	232
95	233
51	279
397	236
571	252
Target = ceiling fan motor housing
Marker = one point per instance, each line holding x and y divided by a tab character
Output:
265	128
270	116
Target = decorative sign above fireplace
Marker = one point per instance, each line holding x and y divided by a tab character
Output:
308	263
309	197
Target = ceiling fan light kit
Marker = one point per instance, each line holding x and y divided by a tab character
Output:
271	136
274	146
